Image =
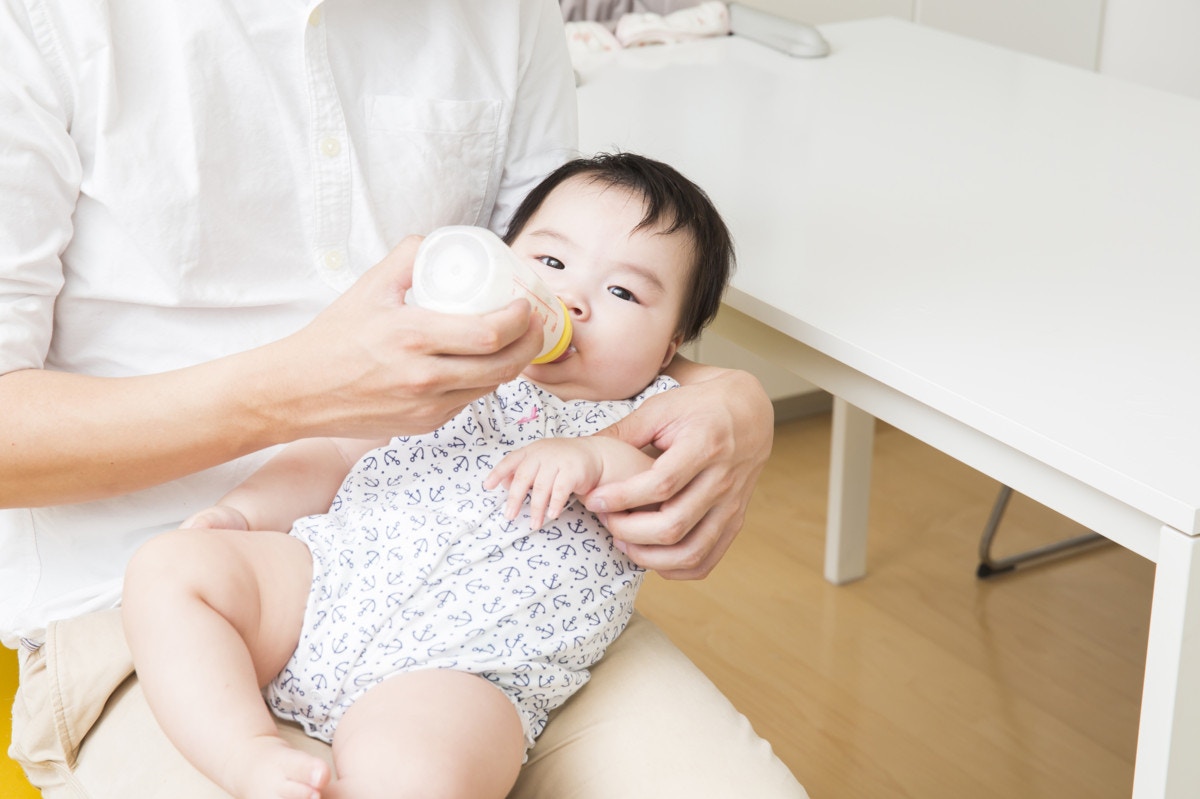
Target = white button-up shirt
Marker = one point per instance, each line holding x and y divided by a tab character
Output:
184	180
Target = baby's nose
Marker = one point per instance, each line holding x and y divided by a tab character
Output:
576	305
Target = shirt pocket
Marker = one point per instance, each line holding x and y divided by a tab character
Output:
432	162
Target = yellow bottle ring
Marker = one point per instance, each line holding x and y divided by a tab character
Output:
564	339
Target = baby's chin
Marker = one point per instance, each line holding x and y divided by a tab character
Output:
563	389
549	378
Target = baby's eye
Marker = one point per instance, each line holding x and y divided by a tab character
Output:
623	294
552	262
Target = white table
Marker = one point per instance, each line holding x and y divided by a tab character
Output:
995	253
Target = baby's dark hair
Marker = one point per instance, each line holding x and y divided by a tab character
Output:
671	200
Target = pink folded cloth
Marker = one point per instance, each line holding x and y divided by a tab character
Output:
585	38
687	24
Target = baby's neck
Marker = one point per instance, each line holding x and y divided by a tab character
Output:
572	393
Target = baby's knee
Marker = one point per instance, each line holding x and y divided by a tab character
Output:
168	562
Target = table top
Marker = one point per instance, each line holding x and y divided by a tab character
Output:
1012	242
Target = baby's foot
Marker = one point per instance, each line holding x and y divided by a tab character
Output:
269	768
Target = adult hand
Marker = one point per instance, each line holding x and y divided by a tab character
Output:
371	366
715	436
550	470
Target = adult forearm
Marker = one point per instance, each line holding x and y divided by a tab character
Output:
368	366
71	438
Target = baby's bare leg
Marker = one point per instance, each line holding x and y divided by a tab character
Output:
428	733
211	616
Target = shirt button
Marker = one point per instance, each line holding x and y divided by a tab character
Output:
314	18
333	260
330	146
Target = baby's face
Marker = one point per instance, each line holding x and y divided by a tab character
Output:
624	288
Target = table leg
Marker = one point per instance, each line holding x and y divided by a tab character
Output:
1169	732
849	492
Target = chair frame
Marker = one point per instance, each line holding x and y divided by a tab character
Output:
990	566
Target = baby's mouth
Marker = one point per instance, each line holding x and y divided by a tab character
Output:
567	353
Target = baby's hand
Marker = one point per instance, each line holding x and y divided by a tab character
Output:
549	471
218	517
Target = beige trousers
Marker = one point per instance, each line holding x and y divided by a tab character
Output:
649	724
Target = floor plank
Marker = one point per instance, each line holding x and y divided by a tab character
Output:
920	680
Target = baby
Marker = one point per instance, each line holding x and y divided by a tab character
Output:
418	618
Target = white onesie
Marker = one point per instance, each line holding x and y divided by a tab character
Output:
415	567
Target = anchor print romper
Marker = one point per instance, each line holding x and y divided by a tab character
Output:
415	567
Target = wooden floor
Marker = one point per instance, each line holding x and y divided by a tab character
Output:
920	680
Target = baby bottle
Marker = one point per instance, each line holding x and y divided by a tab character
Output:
469	270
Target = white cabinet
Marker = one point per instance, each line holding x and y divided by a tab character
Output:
792	396
1063	30
818	12
1153	42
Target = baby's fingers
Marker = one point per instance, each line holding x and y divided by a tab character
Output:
542	496
501	473
536	477
515	473
560	495
558	490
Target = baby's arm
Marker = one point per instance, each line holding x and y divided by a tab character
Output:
550	470
301	480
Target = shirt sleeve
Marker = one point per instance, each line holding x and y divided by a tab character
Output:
545	122
39	183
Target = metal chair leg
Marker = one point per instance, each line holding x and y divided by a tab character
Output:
989	566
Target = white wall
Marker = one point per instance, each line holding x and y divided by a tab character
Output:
1154	42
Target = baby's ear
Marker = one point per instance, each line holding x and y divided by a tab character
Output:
672	348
